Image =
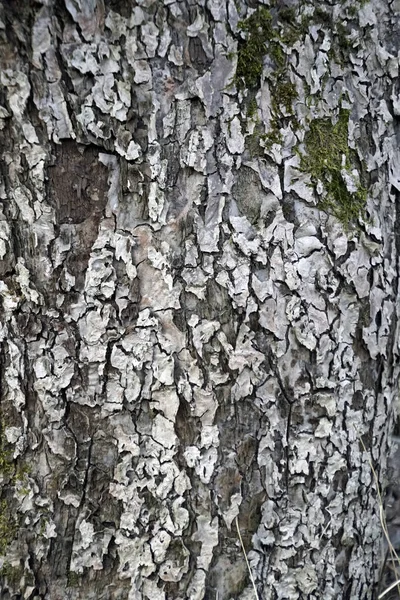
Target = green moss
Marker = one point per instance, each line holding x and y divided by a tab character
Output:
343	37
291	26
274	136
304	26
322	17
8	525
284	94
288	15
11	573
290	36
11	473
43	524
262	38
73	579
258	32
7	468
21	471
279	58
352	11
7	473
252	109
340	32
327	154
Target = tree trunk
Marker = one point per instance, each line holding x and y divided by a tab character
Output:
199	245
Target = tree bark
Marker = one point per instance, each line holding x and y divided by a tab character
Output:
199	256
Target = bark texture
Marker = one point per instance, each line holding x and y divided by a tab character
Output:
199	319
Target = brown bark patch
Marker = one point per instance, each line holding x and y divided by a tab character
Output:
78	183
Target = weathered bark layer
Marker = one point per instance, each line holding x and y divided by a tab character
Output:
194	327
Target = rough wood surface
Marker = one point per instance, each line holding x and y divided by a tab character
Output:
198	318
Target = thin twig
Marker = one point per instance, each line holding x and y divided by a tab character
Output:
390	588
245	557
393	554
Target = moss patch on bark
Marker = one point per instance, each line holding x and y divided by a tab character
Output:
258	32
10	475
330	161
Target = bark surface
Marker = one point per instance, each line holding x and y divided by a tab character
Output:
199	262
